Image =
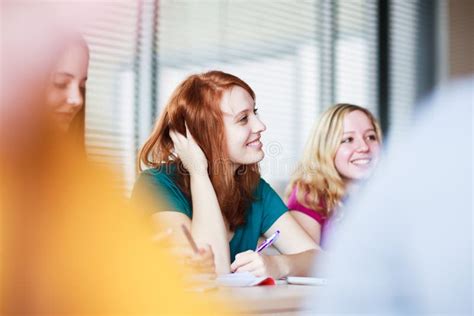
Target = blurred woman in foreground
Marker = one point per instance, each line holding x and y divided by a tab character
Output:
66	87
71	244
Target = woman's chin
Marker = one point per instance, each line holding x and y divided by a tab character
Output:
249	159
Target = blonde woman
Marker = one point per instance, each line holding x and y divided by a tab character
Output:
343	148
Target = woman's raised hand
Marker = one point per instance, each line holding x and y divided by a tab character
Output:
189	152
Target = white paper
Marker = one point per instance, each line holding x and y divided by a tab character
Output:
240	279
306	281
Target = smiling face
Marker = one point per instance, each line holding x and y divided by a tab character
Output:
359	149
242	127
66	89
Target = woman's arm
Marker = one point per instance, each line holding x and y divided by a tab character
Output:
208	225
309	224
297	248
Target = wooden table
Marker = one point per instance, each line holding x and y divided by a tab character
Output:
282	299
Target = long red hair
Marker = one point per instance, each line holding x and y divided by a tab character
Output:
196	101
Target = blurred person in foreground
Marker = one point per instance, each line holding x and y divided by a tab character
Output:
66	87
70	243
406	247
44	64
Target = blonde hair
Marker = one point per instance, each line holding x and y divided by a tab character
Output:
319	185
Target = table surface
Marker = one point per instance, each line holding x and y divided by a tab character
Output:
282	298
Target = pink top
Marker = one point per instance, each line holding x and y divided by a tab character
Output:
294	205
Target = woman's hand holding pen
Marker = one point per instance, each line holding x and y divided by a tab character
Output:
256	263
189	152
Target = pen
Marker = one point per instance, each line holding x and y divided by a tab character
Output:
190	239
268	242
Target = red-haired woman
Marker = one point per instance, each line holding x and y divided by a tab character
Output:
202	159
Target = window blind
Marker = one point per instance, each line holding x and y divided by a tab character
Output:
299	57
356	54
111	97
403	68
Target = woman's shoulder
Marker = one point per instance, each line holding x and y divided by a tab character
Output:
164	175
265	192
295	193
267	205
162	171
264	187
295	205
158	186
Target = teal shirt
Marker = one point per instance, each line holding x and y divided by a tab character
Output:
264	210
